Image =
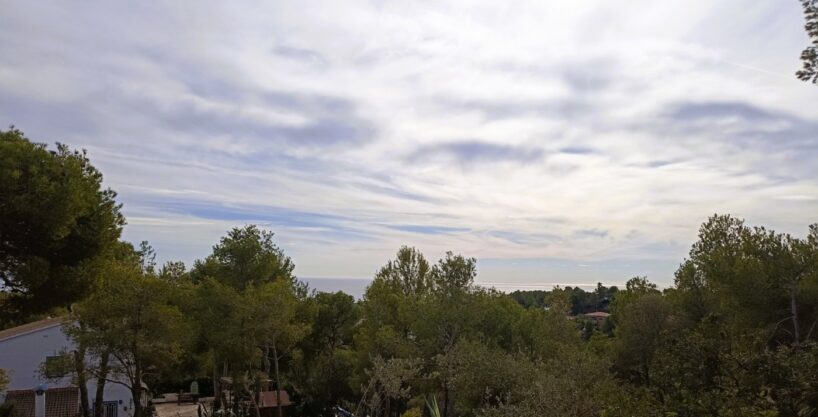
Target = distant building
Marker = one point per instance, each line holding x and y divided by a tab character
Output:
23	351
268	405
598	317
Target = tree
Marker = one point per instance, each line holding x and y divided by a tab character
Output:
389	386
739	339
4	380
574	384
409	273
225	332
444	317
454	274
55	221
246	256
133	318
391	305
639	326
324	360
809	71
757	278
275	307
482	376
231	285
71	364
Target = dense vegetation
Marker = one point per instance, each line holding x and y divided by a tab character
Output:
582	302
56	222
735	336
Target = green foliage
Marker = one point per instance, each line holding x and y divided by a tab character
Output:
57	366
434	410
809	71
572	384
412	412
246	256
460	334
4	379
759	278
735	336
325	360
250	315
408	274
7	409
640	324
580	301
55	222
134	317
389	386
453	274
483	376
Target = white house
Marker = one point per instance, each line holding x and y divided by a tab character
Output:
24	349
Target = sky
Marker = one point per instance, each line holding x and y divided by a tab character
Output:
558	142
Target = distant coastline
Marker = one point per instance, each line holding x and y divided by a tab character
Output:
352	286
357	286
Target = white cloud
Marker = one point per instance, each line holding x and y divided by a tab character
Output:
582	131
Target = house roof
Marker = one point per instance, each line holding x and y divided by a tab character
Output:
23	403
59	402
62	402
30	328
598	314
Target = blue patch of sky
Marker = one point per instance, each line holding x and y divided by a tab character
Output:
428	230
330	225
577	150
470	151
590	233
524	238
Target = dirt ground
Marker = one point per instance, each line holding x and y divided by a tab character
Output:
169	408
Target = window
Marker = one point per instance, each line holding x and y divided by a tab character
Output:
57	366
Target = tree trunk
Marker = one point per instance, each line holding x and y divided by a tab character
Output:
267	360
99	408
446	399
256	396
136	394
136	389
646	374
82	380
278	382
260	386
217	392
794	311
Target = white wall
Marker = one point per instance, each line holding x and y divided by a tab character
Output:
21	356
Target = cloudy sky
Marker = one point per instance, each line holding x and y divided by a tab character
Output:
556	141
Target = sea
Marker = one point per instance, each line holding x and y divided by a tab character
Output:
357	286
352	286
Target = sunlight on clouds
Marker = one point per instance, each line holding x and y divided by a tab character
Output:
594	132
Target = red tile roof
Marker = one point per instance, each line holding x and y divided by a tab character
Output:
62	402
59	402
23	401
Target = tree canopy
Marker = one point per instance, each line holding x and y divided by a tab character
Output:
809	71
56	220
